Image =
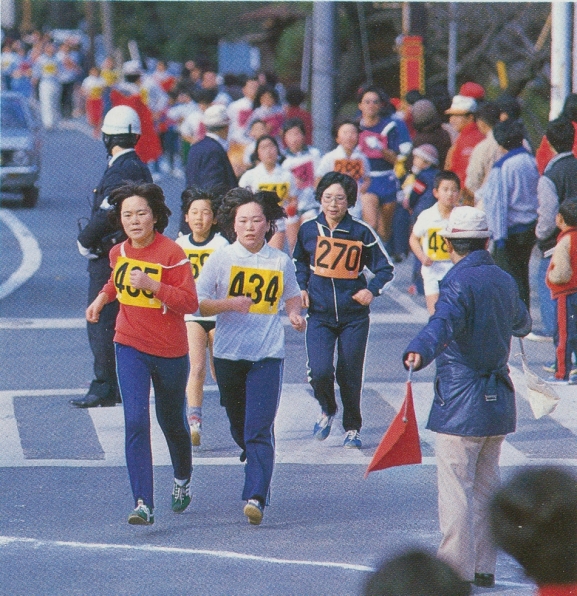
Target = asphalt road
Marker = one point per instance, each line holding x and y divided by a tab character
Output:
64	488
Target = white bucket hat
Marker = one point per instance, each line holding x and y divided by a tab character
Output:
462	105
466	222
215	117
427	152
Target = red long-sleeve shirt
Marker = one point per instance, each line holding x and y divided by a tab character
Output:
159	330
460	153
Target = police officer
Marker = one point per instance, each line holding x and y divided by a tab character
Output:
120	132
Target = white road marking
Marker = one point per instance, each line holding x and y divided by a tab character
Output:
31	254
221	554
294	443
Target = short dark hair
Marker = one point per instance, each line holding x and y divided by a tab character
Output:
446	175
293	123
489	113
206	96
295	96
534	519
236	197
509	134
413	96
413	573
341	122
254	156
261	91
560	134
151	193
194	193
568	211
463	246
509	104
349	186
372	89
570	107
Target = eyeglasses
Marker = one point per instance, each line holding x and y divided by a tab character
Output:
338	199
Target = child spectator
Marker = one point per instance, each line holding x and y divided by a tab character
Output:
348	159
562	280
429	247
418	186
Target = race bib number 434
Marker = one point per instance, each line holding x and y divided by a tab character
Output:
197	258
338	258
263	286
128	295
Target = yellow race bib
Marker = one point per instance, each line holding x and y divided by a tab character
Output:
263	286
129	295
338	258
281	189
197	258
435	246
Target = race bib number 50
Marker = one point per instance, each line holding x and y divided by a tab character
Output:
263	286
197	259
128	295
338	258
435	245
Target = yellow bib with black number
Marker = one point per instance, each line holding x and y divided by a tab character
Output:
281	189
129	295
435	246
197	258
338	258
263	286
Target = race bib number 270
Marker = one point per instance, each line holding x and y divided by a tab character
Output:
263	286
128	295
338	258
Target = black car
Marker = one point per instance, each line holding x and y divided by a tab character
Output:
20	144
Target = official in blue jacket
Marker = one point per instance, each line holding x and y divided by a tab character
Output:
478	311
331	254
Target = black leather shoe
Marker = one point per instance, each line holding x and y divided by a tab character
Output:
484	580
93	401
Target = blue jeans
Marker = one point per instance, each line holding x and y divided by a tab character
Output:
547	305
135	370
250	392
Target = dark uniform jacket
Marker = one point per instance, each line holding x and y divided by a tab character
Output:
478	312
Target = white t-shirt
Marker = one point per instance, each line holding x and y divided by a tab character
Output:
192	126
239	112
268	277
427	227
198	255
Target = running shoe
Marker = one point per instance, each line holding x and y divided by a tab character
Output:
322	427
254	512
535	336
551	367
142	515
352	440
573	378
180	497
195	425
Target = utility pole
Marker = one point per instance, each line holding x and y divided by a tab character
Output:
452	58
107	32
560	55
323	93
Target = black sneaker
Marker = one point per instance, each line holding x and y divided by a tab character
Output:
484	580
180	497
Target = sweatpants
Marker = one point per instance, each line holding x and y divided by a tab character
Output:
135	370
351	341
566	333
250	393
468	476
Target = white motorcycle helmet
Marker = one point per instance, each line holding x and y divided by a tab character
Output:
121	120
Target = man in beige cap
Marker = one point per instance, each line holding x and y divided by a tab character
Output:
478	311
208	166
462	119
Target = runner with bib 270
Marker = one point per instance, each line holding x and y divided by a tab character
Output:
331	254
245	285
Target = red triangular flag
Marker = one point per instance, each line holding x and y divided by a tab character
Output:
400	445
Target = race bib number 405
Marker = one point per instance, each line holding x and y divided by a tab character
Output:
263	286
435	245
128	295
197	258
338	258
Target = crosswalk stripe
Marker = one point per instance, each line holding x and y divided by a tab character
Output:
294	443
